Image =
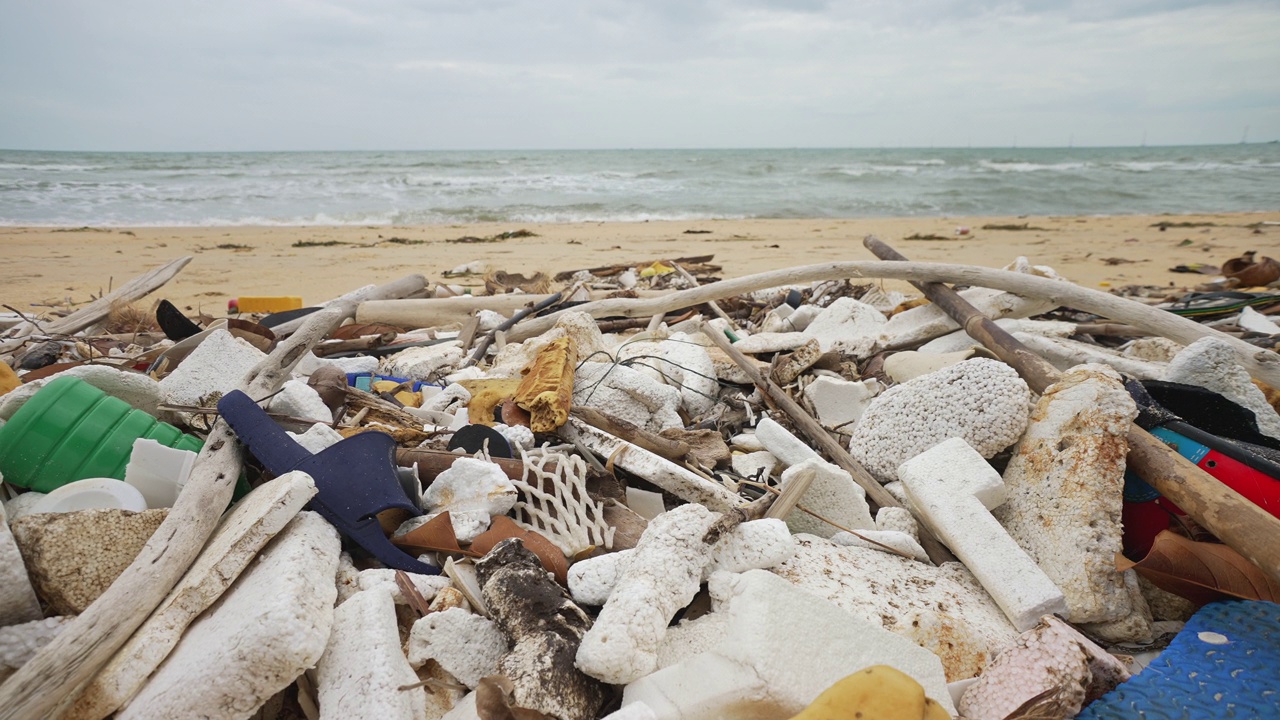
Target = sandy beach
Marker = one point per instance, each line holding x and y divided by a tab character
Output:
47	268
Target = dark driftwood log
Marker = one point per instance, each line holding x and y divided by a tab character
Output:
819	437
42	687
1246	527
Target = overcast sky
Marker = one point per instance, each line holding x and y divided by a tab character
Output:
463	74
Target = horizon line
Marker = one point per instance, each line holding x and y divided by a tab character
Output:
651	149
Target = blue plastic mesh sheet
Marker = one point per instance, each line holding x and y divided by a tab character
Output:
1224	665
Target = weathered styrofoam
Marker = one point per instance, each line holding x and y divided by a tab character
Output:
21	641
385	579
250	525
749	464
943	609
216	365
752	545
317	438
1211	364
900	541
839	403
470	484
678	361
298	399
789	449
983	401
627	394
466	645
846	326
428	364
18	602
832	494
662	576
955	489
73	557
260	636
673	478
780	648
362	669
1065	483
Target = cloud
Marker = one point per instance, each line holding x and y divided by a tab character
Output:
144	74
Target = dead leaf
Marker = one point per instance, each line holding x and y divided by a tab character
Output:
504	527
410	592
1201	572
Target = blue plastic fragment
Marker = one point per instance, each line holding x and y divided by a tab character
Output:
355	478
1224	664
365	381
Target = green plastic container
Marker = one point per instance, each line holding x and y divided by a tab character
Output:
71	430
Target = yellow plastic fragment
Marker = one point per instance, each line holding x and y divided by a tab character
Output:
268	304
487	394
547	389
879	692
657	268
8	378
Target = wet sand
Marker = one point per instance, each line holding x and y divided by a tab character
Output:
46	268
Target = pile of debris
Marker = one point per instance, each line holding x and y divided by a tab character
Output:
650	494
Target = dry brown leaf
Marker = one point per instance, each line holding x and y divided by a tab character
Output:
410	592
1201	572
494	698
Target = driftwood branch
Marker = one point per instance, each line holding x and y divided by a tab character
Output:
1261	364
95	311
57	671
822	441
1246	527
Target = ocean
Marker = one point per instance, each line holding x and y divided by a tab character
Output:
445	187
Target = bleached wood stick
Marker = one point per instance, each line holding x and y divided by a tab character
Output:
1261	364
135	289
40	688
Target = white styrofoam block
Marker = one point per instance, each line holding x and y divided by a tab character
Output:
385	579
466	645
18	643
839	403
363	668
261	635
217	365
834	495
298	399
627	394
471	484
789	449
780	648
18	603
748	464
895	539
662	576
317	438
954	489
848	326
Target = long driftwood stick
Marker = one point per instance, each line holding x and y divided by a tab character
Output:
1246	527
135	289
60	668
819	437
1262	364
